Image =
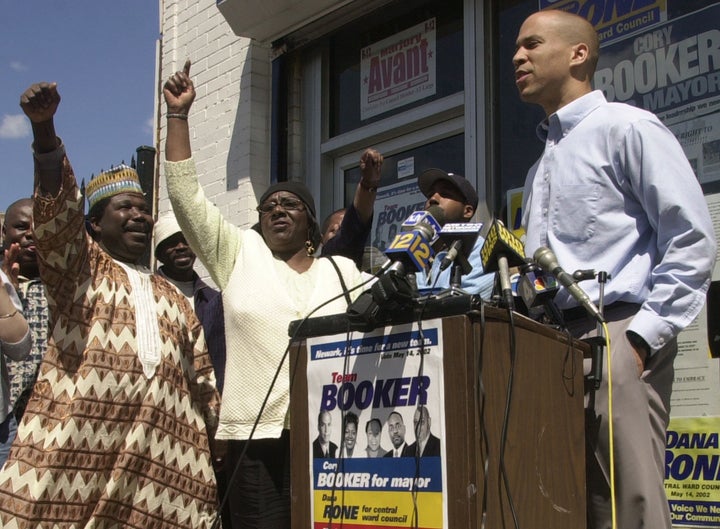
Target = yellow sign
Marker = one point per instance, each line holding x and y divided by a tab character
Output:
692	471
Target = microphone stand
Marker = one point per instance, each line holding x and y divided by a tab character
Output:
505	286
455	289
602	279
597	343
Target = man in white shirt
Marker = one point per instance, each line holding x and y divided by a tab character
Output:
613	191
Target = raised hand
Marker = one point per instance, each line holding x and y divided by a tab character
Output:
371	163
179	91
10	264
40	102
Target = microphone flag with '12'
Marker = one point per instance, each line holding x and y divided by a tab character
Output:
413	246
410	251
501	251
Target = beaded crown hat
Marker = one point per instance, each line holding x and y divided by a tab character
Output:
120	179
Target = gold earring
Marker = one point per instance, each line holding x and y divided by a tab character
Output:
309	248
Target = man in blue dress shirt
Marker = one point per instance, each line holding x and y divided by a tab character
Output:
613	191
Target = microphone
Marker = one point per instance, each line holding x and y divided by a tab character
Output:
451	254
429	221
535	286
499	252
548	261
462	237
409	251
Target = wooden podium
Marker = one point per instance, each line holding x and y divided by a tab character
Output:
544	450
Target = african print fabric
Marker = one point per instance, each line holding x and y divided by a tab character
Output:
101	444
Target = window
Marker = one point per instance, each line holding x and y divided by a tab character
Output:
347	44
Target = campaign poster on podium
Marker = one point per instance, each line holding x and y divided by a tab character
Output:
376	423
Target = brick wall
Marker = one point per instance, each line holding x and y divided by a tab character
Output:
230	118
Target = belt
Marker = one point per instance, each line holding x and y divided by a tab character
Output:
577	313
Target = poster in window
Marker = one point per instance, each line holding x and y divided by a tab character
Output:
398	70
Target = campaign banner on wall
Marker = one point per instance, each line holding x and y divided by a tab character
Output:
376	422
673	70
614	19
692	471
398	70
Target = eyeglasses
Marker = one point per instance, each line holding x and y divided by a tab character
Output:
288	204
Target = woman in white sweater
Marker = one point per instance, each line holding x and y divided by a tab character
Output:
268	277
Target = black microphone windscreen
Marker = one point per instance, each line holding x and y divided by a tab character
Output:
438	213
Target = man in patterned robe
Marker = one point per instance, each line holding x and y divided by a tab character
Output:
114	434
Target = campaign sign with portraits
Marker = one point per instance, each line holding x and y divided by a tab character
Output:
376	423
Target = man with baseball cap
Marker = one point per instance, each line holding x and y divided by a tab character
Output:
458	200
178	260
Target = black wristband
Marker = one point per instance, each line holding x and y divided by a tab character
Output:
371	189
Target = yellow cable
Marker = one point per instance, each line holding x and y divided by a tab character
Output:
610	428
